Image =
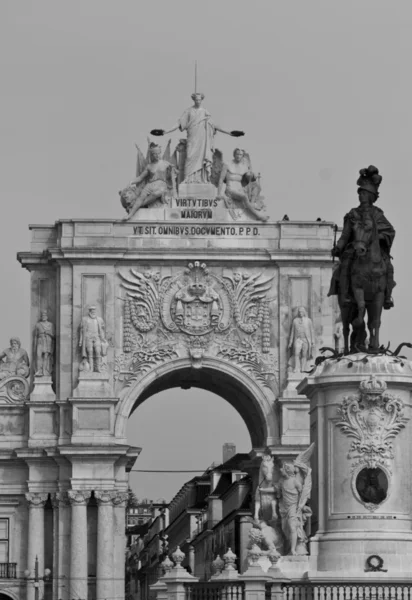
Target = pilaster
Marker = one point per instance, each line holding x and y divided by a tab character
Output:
105	535
78	543
36	502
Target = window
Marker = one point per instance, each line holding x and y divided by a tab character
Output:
4	540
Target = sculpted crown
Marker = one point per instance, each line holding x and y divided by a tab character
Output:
373	385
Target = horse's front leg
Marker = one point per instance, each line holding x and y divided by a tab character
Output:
374	319
344	311
360	301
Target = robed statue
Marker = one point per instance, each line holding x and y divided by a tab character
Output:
200	129
242	192
364	277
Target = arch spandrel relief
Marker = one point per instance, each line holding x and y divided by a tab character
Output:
197	312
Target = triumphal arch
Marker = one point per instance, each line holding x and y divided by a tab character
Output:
200	283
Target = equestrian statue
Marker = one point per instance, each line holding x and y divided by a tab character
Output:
364	279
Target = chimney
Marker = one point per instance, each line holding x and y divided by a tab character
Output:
229	450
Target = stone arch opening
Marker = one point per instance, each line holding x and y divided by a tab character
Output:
229	382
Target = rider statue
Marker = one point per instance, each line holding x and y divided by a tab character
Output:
365	216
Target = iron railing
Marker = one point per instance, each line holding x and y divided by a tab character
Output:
8	570
214	590
349	591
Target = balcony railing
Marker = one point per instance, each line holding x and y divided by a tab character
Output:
8	570
213	590
344	591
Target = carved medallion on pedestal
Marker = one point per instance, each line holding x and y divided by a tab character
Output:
373	418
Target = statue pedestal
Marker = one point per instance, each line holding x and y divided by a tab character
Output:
197	190
42	390
294	413
361	423
93	385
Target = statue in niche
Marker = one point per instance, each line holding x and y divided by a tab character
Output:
364	277
44	337
242	185
155	181
92	341
293	490
198	124
14	360
301	340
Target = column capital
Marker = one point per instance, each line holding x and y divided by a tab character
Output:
60	499
120	499
104	497
79	497
36	499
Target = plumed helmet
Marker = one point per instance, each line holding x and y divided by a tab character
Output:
369	180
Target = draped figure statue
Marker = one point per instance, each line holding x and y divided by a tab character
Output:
200	129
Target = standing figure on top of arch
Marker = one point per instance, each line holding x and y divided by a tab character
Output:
364	278
242	185
197	122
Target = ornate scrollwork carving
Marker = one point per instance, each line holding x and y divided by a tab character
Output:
60	499
14	390
195	312
250	307
104	496
36	499
373	418
128	367
79	497
245	354
141	309
196	302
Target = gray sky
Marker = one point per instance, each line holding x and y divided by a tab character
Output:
321	88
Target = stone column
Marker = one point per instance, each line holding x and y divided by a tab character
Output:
244	529
35	546
120	503
192	559
61	562
105	543
78	538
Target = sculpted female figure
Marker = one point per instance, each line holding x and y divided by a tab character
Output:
239	181
198	124
155	181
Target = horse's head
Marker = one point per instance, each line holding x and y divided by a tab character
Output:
128	197
360	247
363	235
